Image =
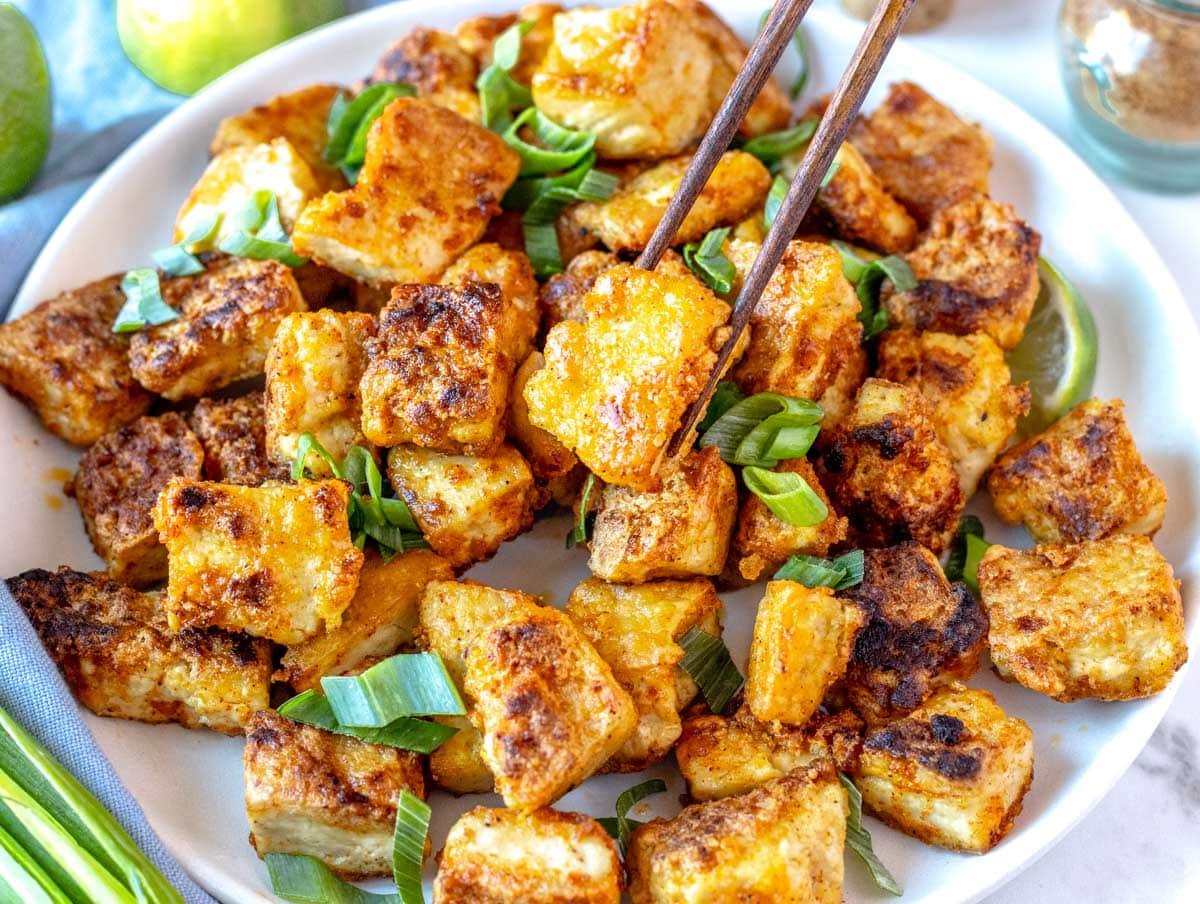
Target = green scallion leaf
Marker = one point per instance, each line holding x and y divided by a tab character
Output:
22	880
405	733
709	263
749	432
844	571
867	278
561	148
407	684
962	563
801	44
831	172
541	247
350	121
499	92
408	846
787	495
724	397
775	197
858	839
144	305
179	259
582	530
306	880
259	234
773	146
622	826
706	659
308	445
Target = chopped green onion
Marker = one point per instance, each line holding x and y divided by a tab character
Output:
563	147
762	430
867	278
144	305
831	172
724	397
773	146
621	827
408	846
962	563
541	247
801	45
178	259
582	530
838	574
350	122
706	659
779	190
308	445
708	261
776	439
259	234
499	92
303	879
407	684
405	733
976	547
858	839
787	495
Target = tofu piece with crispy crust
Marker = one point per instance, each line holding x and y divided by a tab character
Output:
543	857
325	795
63	360
477	36
953	773
458	766
1102	619
120	659
547	457
1080	479
275	561
513	274
561	296
233	433
439	69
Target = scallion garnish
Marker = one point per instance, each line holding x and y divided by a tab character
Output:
858	839
542	249
179	259
764	429
968	548
407	684
499	92
707	660
844	571
779	190
406	733
144	305
621	826
259	233
801	44
708	261
350	121
774	146
867	278
787	495
561	148
724	397
408	847
582	530
831	172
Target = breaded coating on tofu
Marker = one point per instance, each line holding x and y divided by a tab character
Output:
432	62
635	629
381	618
614	389
803	638
117	484
921	632
439	369
229	314
561	296
976	271
329	796
1101	619
457	766
924	155
63	360
497	856
954	773
274	561
547	457
466	505
313	371
477	35
512	272
120	659
782	842
1080	479
974	405
233	433
636	76
397	224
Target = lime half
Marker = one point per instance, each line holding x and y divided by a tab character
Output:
24	103
1057	355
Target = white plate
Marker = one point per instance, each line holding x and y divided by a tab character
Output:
190	782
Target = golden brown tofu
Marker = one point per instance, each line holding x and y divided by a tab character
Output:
921	633
547	457
477	35
614	389
974	405
976	271
888	470
233	433
229	314
512	272
432	62
120	659
922	152
954	773
313	371
117	485
274	561
1081	479
497	856
1101	619
561	296
63	360
781	842
457	766
397	224
635	629
326	795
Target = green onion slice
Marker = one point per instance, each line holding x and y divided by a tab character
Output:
831	172
405	733
178	259
259	233
773	146
144	305
22	879
407	684
708	261
561	148
787	495
867	278
622	826
858	839
499	92
408	846
800	42
582	530
779	190
707	660
764	429
962	563
844	571
350	121
541	247
309	445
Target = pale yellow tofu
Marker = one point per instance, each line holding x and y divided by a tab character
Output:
233	433
478	34
457	766
439	69
547	457
487	262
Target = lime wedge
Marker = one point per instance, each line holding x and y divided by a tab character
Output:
24	103
1057	355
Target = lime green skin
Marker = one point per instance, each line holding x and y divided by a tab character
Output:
182	45
25	103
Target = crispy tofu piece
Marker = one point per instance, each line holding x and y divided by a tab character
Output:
329	796
466	505
561	296
512	272
614	389
495	856
397	224
233	433
1080	479
381	618
635	630
954	773
229	314
63	360
922	152
432	62
678	531
803	638
457	766
1101	619
313	371
547	457
120	659
974	405
477	35
274	561
976	271
781	842
117	484
888	470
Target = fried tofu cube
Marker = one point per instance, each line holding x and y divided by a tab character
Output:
120	659
1080	479
512	272
561	296
780	842
547	457
233	433
117	485
63	360
477	35
1101	619
274	561
543	857
635	629
313	371
439	69
326	795
969	387
888	470
458	766
397	224
614	389
954	773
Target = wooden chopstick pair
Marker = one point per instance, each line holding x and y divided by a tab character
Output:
856	81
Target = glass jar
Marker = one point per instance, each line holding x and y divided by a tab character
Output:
1132	71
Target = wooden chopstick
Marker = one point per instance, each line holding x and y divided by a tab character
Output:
856	81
